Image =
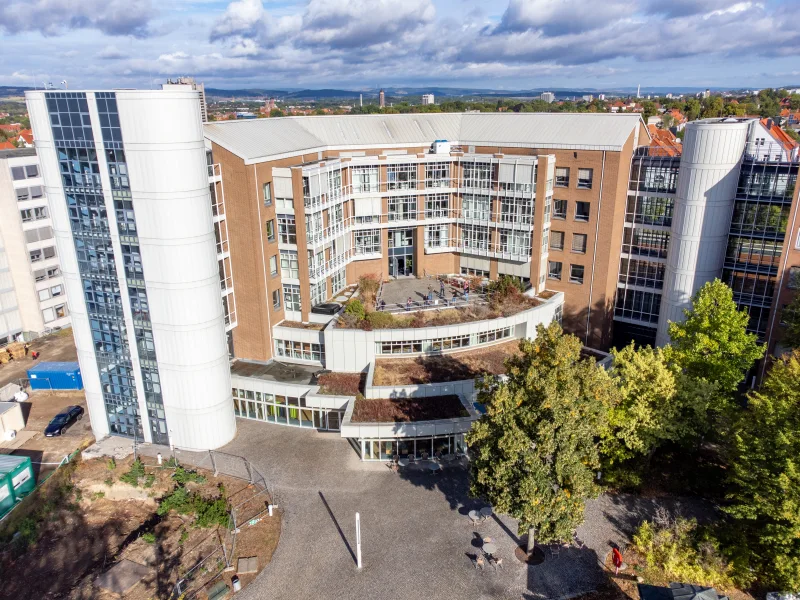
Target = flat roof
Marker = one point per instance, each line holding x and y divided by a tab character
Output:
18	153
259	140
276	371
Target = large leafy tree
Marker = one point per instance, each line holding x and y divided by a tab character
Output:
765	478
712	343
791	316
535	451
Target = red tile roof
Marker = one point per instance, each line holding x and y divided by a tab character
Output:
27	135
11	127
663	142
7	146
779	135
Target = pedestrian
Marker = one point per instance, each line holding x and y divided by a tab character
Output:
382	305
27	349
408	304
34	355
441	289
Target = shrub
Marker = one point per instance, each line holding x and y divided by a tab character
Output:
184	536
505	285
109	481
182	476
111	464
149	537
132	476
171	463
207	512
356	309
381	320
679	551
28	531
149	480
97	496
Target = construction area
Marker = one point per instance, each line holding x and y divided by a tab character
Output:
104	528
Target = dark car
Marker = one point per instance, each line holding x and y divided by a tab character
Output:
63	420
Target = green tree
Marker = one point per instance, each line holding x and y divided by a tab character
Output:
712	342
693	109
276	112
765	479
535	450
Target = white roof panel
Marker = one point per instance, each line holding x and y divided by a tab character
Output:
257	140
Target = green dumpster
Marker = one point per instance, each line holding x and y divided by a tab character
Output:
16	480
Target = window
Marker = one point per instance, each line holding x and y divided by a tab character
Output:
319	292
284	203
31	171
33	214
365	179
559	209
562	177
314	231
554	270
638	305
655	174
576	273
475	272
301	351
649	210
53	272
276	299
556	240
289	264
57	312
477	175
273	265
642	273
44	295
56	291
31	193
581	211
437	175
267	194
475	237
403	208
515	242
17	173
271	230
437	236
585	179
291	297
402	177
287	231
368	241
436	206
647	242
338	281
579	242
37	235
476	207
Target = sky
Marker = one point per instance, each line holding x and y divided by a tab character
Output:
366	44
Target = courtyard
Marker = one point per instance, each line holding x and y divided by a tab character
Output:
417	538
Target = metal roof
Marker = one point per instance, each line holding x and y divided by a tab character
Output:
257	140
10	463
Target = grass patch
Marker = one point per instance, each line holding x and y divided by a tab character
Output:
208	512
149	537
404	410
183	476
135	473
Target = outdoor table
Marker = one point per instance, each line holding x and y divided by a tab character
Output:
434	467
403	462
486	512
474	515
489	549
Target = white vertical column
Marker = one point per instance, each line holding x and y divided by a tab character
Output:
707	180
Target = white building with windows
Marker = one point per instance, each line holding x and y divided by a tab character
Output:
141	247
30	273
427	99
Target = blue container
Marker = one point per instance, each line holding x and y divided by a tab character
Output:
56	376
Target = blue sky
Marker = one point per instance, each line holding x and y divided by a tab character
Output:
354	44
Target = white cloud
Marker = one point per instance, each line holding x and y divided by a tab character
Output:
54	17
111	53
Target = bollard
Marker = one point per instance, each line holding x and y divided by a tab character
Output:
237	585
269	508
159	458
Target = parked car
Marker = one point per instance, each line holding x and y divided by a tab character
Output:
63	420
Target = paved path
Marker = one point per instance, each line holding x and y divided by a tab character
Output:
415	531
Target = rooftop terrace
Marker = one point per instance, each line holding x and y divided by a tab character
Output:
275	371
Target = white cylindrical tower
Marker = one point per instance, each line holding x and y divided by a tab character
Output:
165	154
707	180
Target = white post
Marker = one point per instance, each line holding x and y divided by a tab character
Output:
358	540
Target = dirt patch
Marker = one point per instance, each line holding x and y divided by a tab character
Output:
342	384
297	325
89	519
56	347
449	367
405	410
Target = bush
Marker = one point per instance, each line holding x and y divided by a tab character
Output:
28	531
381	320
207	512
356	309
132	476
111	464
679	551
368	286
182	476
149	537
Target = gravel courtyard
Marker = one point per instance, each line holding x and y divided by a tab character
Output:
416	537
